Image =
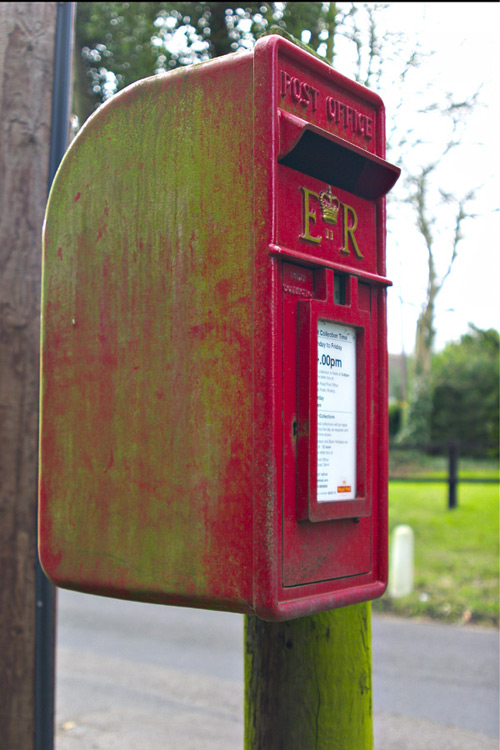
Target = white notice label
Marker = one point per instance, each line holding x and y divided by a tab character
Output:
336	412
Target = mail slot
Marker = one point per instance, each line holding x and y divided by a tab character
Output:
213	427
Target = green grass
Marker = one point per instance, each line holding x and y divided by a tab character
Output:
456	552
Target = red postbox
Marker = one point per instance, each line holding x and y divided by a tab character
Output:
214	367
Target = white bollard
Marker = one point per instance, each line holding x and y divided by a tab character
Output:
402	562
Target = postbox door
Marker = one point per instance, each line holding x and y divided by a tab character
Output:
323	540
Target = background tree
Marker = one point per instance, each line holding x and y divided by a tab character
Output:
441	241
119	42
465	390
27	37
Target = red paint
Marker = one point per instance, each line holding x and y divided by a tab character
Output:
179	414
110	463
50	555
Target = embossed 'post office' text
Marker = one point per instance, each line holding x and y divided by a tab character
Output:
346	117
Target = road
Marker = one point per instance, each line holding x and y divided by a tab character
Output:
143	676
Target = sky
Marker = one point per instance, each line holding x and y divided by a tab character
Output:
466	56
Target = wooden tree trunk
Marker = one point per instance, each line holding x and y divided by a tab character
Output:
308	682
27	32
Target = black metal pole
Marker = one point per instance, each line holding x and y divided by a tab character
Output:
45	613
452	474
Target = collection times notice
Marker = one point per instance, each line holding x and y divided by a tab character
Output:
336	412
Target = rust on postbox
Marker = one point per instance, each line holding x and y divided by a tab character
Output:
214	368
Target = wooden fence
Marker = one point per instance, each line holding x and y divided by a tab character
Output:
452	451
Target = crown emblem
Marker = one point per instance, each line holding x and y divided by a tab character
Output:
330	206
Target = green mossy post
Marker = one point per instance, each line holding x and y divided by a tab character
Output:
308	682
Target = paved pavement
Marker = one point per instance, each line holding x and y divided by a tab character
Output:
436	672
139	676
